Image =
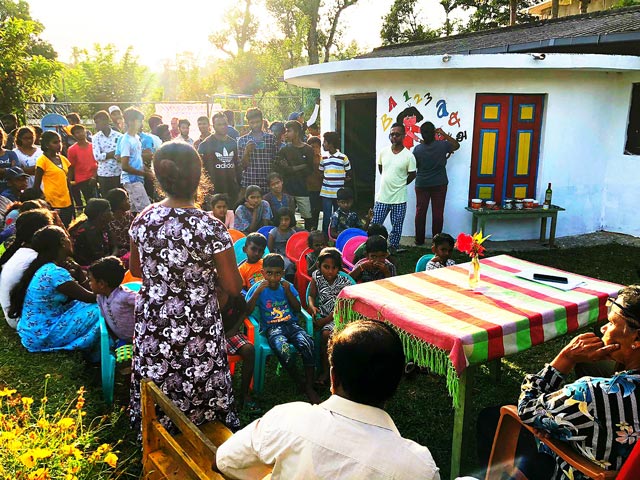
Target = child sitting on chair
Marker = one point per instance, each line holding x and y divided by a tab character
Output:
376	265
219	205
116	302
279	236
316	240
277	301
251	268
326	284
343	217
253	213
233	309
442	247
374	229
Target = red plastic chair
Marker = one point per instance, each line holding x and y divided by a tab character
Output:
631	465
349	250
296	245
302	279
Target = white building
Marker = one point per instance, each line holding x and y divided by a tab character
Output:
556	101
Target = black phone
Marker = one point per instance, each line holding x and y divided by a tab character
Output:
550	278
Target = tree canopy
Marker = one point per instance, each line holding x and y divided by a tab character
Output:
28	65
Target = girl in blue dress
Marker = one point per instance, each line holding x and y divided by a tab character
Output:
56	311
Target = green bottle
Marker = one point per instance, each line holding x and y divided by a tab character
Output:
547	196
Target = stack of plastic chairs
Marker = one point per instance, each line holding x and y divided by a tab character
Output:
349	250
302	279
345	235
261	345
296	245
107	355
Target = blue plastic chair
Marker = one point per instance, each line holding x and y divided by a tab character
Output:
261	345
240	255
421	265
265	230
107	356
348	234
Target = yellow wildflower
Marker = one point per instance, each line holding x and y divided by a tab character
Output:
111	459
43	423
27	459
71	450
27	401
70	476
14	445
39	474
5	392
66	422
7	435
104	448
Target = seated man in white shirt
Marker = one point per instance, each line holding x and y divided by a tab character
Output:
349	435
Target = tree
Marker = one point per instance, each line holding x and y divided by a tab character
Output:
448	6
28	66
104	76
490	14
242	27
401	24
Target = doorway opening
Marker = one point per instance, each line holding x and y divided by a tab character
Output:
356	125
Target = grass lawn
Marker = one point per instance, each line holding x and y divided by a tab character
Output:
421	408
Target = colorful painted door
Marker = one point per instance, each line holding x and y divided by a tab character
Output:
506	146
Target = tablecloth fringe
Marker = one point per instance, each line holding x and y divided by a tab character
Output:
416	350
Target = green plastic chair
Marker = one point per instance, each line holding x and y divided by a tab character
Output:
421	266
261	345
107	355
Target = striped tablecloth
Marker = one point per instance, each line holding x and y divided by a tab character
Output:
446	326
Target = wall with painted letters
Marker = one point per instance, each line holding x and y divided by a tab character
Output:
581	152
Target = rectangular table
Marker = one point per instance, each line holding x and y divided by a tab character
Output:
480	217
449	328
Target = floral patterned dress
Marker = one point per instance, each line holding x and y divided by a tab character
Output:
179	340
51	322
598	417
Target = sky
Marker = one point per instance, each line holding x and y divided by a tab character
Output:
180	26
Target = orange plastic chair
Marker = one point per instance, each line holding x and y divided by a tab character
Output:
128	278
296	245
235	234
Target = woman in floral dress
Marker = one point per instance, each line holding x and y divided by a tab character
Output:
179	340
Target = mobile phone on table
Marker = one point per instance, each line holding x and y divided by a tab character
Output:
550	278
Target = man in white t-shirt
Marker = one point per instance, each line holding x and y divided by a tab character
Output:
349	435
397	167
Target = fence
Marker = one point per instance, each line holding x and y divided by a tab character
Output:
273	107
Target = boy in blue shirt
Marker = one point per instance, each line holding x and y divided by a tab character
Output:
277	301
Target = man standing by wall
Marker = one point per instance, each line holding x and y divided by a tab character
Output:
397	167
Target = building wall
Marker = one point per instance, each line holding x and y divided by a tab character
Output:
583	138
572	7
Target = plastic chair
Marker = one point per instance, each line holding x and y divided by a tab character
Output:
296	245
240	255
302	279
349	250
265	230
502	459
235	234
345	235
261	345
107	356
421	265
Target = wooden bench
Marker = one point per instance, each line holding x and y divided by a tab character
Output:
188	455
480	217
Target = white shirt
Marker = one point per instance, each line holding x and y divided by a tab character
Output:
338	439
11	274
395	170
107	167
25	160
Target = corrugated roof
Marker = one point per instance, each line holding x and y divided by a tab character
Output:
565	34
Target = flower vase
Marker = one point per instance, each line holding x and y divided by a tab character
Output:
474	273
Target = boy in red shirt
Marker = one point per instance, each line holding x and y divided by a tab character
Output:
83	170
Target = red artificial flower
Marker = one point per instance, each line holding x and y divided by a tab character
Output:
464	243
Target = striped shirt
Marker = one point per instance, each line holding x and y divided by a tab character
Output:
334	168
598	417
